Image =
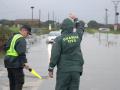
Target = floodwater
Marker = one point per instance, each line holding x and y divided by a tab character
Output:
102	61
101	68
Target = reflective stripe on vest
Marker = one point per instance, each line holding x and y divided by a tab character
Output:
11	51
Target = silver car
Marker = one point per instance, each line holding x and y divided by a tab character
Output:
52	35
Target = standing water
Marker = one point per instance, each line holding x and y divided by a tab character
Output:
102	62
101	68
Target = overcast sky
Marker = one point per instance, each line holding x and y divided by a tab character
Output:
85	9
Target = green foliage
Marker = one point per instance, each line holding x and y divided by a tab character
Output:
14	29
82	22
4	32
91	31
115	32
2	54
4	35
6	22
93	24
46	30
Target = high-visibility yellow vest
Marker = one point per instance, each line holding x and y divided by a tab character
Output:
11	51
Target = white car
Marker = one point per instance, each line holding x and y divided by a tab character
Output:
104	29
52	35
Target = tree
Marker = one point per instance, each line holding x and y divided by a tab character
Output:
93	24
6	22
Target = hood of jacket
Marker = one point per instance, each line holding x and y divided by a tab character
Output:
67	26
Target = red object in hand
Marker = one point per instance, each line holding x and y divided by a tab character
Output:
72	16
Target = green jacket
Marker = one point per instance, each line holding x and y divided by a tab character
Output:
66	52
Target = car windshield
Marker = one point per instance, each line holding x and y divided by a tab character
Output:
55	33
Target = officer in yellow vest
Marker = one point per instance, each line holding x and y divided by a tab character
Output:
15	58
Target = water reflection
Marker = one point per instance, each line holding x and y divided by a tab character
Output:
31	40
108	40
101	68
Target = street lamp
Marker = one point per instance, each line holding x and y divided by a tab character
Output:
32	7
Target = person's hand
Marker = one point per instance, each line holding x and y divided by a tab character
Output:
72	16
50	74
26	66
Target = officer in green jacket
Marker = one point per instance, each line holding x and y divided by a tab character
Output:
15	58
67	55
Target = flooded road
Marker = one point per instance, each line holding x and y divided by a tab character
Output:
101	68
102	63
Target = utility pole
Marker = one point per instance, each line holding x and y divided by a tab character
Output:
53	19
39	17
49	25
48	18
55	22
106	17
32	7
116	14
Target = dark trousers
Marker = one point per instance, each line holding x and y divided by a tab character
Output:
67	81
16	78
